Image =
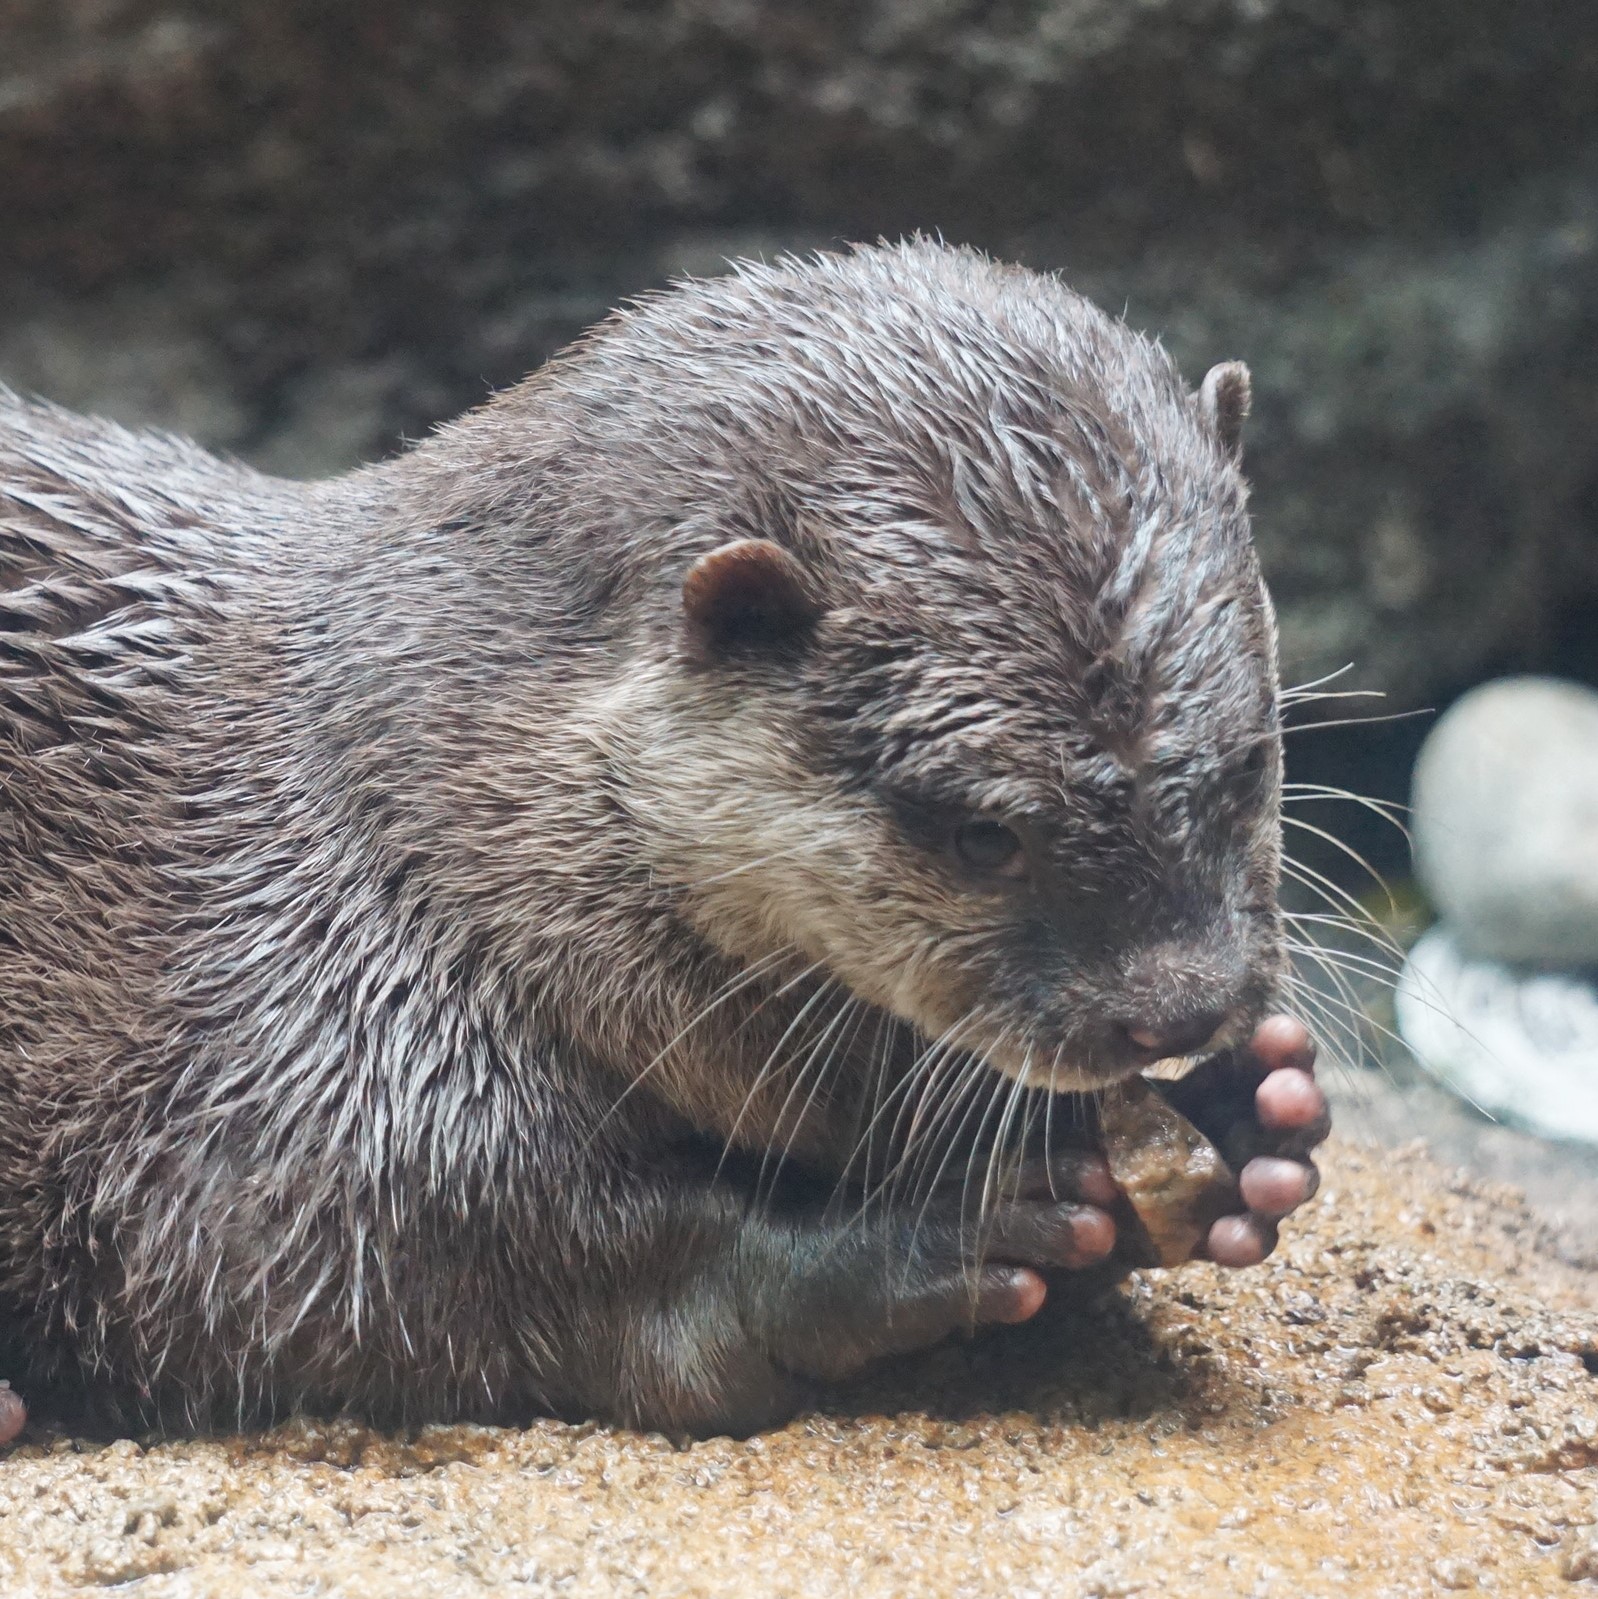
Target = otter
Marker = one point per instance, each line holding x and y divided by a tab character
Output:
622	910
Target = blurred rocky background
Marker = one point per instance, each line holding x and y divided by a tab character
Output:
304	230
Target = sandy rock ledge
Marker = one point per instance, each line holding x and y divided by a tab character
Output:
1405	1402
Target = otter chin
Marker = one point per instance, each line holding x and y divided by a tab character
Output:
544	923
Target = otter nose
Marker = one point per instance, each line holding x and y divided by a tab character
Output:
1184	1035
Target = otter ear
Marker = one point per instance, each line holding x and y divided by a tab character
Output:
749	595
1224	399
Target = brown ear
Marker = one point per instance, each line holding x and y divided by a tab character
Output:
749	595
1224	399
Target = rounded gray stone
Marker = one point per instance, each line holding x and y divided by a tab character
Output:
1506	822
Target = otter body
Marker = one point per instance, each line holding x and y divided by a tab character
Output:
538	924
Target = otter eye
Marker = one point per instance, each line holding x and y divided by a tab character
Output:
988	846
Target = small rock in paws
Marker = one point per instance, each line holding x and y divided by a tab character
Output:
1173	1177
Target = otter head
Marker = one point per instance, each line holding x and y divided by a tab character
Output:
958	677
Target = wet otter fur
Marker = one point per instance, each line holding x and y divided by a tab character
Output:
465	923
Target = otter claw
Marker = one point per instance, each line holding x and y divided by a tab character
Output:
13	1414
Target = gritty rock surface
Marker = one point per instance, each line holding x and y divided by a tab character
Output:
1404	1402
1392	1104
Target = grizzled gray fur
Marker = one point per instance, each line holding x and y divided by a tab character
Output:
535	924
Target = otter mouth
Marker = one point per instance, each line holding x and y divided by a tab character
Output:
1174	1068
1059	1073
1161	1031
1054	1071
1076	1079
1178	1028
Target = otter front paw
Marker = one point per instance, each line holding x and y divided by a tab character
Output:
895	1284
1261	1107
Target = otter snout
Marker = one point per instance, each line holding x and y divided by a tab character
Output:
1180	1035
1182	999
